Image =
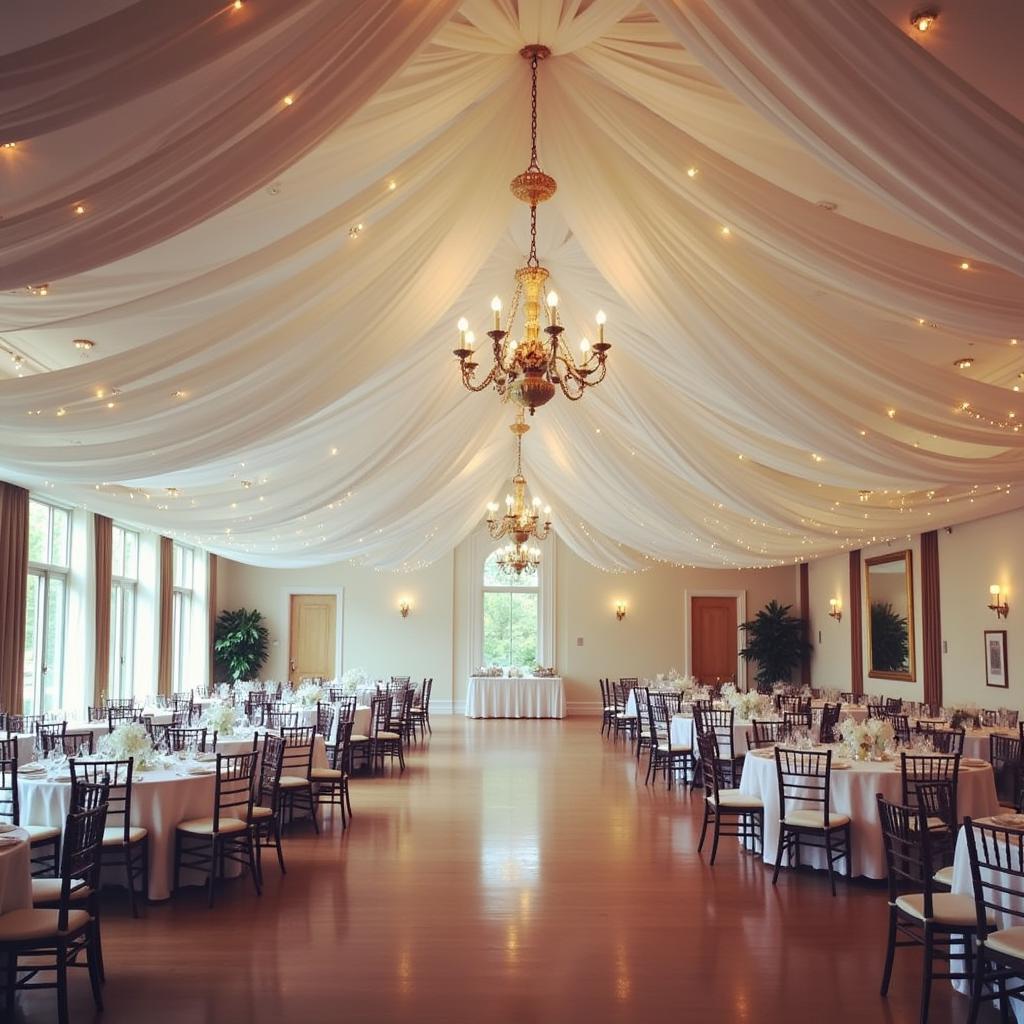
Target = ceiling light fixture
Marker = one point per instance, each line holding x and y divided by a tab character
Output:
924	20
84	344
964	363
529	369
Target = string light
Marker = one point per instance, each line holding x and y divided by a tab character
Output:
288	100
79	209
965	265
691	172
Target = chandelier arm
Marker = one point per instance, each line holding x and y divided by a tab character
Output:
568	394
467	379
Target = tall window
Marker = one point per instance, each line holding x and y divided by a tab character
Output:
511	617
49	561
123	593
183	583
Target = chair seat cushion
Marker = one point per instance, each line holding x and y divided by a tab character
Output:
734	798
326	775
47	890
815	819
358	737
944	876
113	835
293	782
947	907
38	925
1007	940
40	833
204	826
261	813
388	736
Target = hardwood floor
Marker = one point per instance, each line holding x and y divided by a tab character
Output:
518	871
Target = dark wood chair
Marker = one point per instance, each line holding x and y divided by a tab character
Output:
70	744
65	934
732	812
280	716
900	726
624	723
805	779
332	781
266	811
207	844
178	738
719	723
419	713
894	705
948	741
918	915
766	733
997	875
1004	754
296	765
123	843
642	698
828	730
666	756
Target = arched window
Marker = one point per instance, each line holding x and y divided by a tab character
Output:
511	617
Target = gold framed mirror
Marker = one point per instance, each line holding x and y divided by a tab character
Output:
890	590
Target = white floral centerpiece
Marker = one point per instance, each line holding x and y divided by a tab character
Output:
867	740
243	687
964	716
488	672
310	694
223	719
130	740
515	672
746	705
355	678
728	691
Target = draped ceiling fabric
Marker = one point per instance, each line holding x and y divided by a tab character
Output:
272	287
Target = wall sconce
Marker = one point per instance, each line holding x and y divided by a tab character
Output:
1000	607
835	608
620	610
403	606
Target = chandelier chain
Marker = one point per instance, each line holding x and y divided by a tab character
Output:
532	260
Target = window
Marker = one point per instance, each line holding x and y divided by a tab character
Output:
511	617
49	542
183	578
123	594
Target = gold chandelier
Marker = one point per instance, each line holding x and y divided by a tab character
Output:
521	520
528	369
518	560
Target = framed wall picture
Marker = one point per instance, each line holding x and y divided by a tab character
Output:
995	658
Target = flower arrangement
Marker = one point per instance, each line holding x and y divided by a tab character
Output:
867	740
489	672
746	705
310	694
964	716
354	678
542	672
728	691
129	740
222	719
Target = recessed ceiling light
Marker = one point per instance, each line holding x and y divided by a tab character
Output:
38	289
84	344
925	19
827	204
964	363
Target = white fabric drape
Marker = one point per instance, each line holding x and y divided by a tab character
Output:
283	365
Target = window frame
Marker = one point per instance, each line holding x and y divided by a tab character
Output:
182	600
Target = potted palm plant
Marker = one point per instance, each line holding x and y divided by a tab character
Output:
240	643
775	641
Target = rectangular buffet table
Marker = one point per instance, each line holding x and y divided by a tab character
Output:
528	697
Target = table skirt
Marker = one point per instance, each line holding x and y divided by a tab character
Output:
515	698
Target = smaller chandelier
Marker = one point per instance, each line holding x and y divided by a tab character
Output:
521	520
518	560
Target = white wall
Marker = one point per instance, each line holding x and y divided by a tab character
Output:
971	558
434	640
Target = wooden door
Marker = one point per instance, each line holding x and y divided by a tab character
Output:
314	619
713	638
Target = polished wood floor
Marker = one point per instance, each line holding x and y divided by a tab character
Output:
521	872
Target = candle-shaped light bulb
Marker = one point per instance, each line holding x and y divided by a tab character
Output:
470	339
496	308
552	299
601	319
585	346
547	510
994	590
463	324
536	502
508	500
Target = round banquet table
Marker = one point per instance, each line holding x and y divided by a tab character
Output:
232	745
853	794
858	712
15	871
681	733
160	800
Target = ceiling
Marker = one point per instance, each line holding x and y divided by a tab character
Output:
272	287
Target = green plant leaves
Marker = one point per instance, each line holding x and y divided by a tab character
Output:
241	642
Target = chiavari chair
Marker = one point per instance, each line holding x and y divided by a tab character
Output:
900	726
805	778
388	742
123	843
336	693
96	714
666	756
828	730
254	702
795	706
733	813
332	781
179	738
876	710
607	707
266	811
419	713
64	932
183	706
206	844
71	744
918	915
401	680
120	702
25	725
1004	754
765	734
624	723
997	876
51	732
894	705
848	697
642	697
296	764
719	724
362	744
282	716
948	741
796	720
123	714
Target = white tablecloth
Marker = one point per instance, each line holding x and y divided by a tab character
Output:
160	800
963	884
15	872
683	735
853	793
515	698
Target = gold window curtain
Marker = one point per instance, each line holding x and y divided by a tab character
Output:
13	592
